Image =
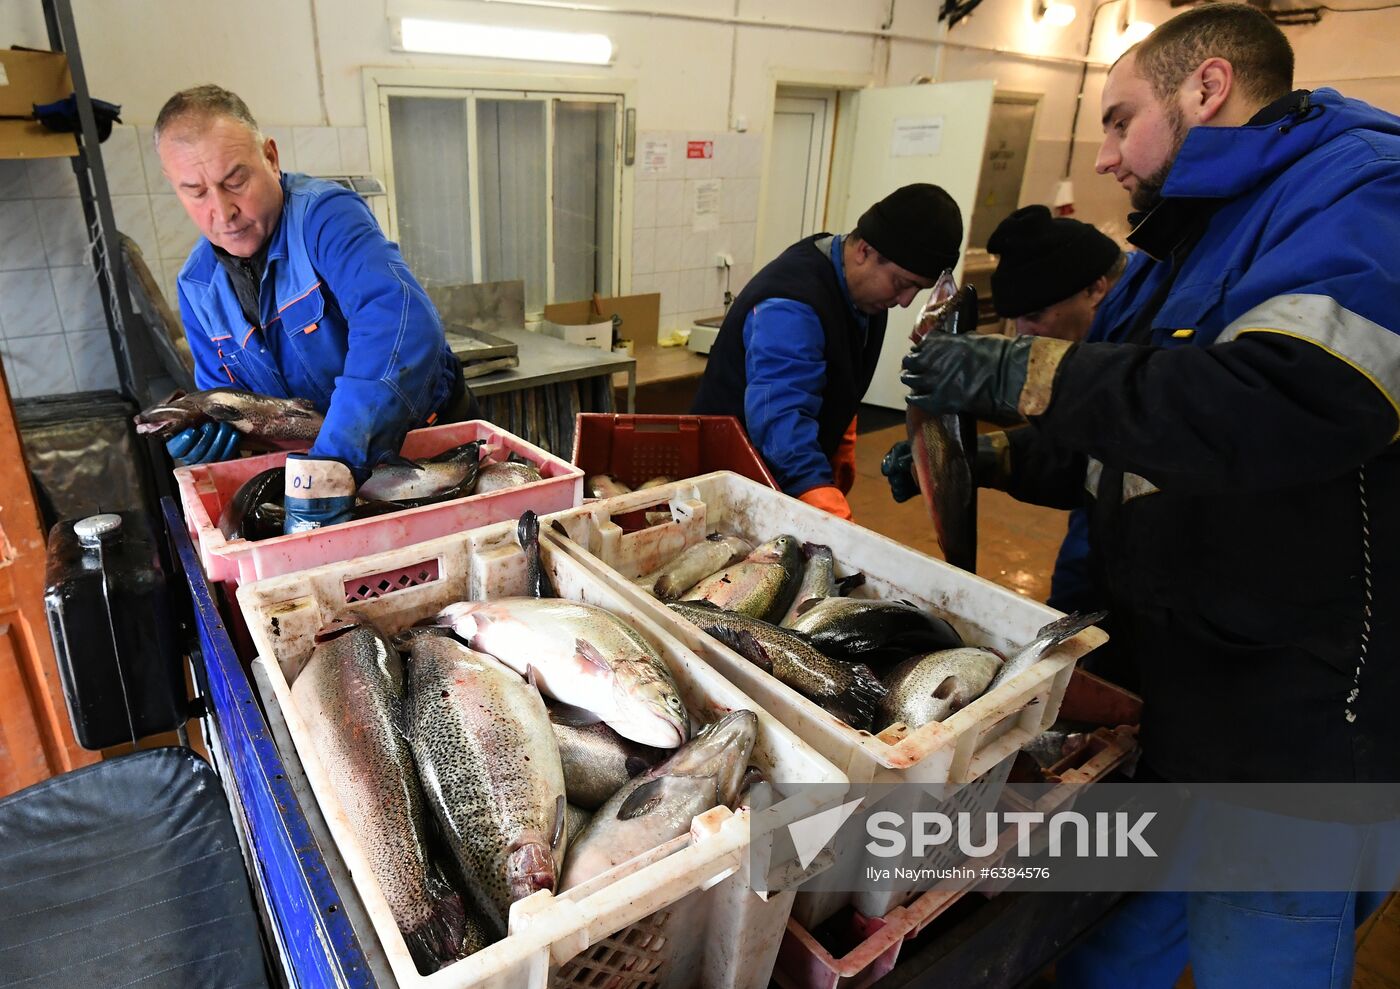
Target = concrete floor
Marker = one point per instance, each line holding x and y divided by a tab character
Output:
1016	547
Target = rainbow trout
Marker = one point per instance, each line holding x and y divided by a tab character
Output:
582	655
490	769
761	585
260	416
944	447
349	696
659	804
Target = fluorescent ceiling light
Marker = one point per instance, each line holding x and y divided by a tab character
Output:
1056	13
487	41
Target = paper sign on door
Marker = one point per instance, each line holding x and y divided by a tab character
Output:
916	137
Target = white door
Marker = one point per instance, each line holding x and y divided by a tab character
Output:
798	165
907	134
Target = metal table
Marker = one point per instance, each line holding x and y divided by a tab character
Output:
546	361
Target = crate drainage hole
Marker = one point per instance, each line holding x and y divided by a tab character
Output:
377	585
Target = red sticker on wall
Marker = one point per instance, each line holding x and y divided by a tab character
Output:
699	149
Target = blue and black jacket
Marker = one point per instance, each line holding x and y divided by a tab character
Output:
344	325
792	361
1233	420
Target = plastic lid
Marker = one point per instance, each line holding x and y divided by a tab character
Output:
92	530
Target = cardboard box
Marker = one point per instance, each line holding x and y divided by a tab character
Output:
641	315
26	78
584	334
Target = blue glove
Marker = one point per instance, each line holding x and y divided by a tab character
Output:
898	468
319	492
207	443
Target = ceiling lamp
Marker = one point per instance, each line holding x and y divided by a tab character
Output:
487	41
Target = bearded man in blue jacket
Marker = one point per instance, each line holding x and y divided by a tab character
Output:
1233	419
295	292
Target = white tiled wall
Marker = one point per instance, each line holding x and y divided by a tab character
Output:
670	256
53	333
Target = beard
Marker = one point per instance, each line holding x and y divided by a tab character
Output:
1149	190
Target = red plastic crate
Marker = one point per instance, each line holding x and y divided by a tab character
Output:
634	449
872	945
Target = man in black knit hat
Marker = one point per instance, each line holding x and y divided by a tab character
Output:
798	348
1052	272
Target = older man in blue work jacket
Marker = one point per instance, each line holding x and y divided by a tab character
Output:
295	292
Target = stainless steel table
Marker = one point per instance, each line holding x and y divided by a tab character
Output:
545	360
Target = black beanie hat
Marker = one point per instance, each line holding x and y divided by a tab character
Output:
918	227
1045	259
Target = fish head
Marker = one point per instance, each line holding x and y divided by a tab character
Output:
460	617
178	412
720	750
785	550
339	625
653	712
531	867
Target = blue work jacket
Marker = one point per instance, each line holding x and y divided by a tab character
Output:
344	325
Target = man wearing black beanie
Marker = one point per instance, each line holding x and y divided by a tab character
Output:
798	348
1052	272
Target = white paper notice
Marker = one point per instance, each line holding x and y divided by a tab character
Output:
706	210
916	137
656	157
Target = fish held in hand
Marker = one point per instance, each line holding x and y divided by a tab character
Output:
934	686
350	697
260	416
581	655
490	770
943	447
659	805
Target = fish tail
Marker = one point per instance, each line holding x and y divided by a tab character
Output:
441	938
862	697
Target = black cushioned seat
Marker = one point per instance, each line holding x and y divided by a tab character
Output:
126	873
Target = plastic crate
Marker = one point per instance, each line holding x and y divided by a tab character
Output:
805	962
206	489
634	449
971	748
683	915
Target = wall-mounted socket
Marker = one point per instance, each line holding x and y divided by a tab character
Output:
723	260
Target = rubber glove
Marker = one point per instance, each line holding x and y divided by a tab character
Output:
828	498
207	443
898	468
843	464
996	378
319	492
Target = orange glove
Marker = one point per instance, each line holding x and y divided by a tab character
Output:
828	498
843	462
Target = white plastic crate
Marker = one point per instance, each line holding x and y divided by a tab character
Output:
205	490
973	746
684	915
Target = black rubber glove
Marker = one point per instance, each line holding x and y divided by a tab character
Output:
898	468
975	374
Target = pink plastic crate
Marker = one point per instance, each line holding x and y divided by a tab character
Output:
869	947
205	490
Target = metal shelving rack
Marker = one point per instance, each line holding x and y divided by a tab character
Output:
143	377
